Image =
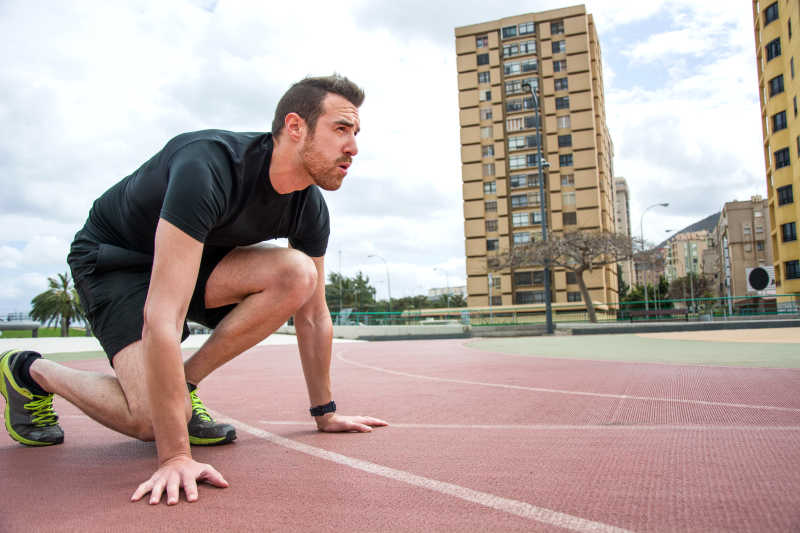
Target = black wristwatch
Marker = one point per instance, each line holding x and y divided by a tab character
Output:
320	410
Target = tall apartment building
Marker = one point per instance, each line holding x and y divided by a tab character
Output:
622	220
776	54
684	254
556	51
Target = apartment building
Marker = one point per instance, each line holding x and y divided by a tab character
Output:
684	254
622	220
776	53
558	53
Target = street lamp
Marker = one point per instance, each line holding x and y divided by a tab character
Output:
447	281
542	205
641	226
388	282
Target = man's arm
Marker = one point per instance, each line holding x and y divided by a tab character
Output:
175	266
314	329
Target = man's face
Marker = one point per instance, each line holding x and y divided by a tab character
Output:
327	153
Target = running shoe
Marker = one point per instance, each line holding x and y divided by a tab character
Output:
30	418
203	431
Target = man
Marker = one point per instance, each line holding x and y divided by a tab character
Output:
176	239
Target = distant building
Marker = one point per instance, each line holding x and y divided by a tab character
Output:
622	219
684	253
778	94
436	292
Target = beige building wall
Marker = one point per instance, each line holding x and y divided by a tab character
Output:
558	51
684	254
622	219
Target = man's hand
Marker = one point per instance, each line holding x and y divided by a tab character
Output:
333	423
175	473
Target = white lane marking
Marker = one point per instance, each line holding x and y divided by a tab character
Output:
574	393
558	427
514	507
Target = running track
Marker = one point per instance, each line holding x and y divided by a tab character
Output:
478	442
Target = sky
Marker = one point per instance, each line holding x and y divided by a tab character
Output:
90	89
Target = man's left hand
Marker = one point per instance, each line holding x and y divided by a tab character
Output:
333	423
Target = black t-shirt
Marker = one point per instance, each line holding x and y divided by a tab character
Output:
214	185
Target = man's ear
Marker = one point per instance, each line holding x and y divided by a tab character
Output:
294	126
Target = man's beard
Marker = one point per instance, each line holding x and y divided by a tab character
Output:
323	173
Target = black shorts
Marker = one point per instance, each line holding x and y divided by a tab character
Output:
112	283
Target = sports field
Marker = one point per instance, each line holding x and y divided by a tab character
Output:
656	432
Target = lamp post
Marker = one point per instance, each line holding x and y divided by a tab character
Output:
641	227
388	282
548	312
447	284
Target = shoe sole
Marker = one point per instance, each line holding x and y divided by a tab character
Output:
229	437
4	370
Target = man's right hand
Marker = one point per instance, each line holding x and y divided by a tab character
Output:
174	474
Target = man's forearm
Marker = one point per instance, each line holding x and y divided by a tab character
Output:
314	340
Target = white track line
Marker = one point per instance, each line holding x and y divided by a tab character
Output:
574	393
514	507
559	427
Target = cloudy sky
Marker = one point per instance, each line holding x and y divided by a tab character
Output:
91	89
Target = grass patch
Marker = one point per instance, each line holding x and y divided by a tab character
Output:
43	332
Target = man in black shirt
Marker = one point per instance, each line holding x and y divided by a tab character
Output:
177	239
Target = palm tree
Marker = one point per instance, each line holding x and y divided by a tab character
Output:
59	303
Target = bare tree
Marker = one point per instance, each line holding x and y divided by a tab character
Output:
576	251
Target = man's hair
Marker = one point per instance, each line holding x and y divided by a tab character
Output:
305	98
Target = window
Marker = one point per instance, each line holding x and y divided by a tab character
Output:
488	169
519	200
509	31
760	246
789	232
746	229
773	49
530	65
489	187
564	140
771	13
491	225
557	27
776	85
515	49
792	269
523	278
522	161
570	219
538	278
486	113
785	195
798	152
487	151
522	141
791	66
520	219
484	77
518	86
485	96
748	247
568	198
572	278
514	124
778	121
492	244
527	27
486	132
490	206
561	46
560	65
573	297
497	300
564	122
511	68
782	158
789	26
495	282
524	180
482	41
568	180
561	84
522	237
483	59
794	99
565	160
562	102
529	297
531	122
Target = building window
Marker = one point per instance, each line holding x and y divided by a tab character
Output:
497	300
789	232
792	269
482	41
484	77
522	141
565	160
776	85
489	187
561	46
486	113
519	200
746	229
526	28
782	158
490	206
522	237
568	180
492	244
562	102
483	59
514	124
785	195
760	246
798	149
573	296
789	26
794	99
519	219
523	278
564	122
570	219
568	198
557	27
524	180
773	49
491	225
509	32
530	65
561	84
531	122
560	65
487	151
488	169
486	132
564	140
485	96
572	278
778	121
529	297
771	13
791	66
518	86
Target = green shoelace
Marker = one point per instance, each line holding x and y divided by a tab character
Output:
198	407
43	413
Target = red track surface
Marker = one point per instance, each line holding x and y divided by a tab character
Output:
634	446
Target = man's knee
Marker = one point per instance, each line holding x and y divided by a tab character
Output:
301	274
